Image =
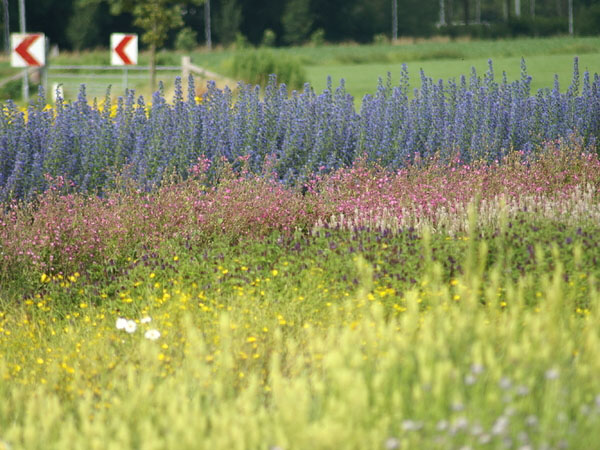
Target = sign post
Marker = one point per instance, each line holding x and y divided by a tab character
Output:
123	52
27	50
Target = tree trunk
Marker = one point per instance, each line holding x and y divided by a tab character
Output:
478	11
394	20
6	27
466	11
442	14
532	8
506	9
207	32
153	67
518	8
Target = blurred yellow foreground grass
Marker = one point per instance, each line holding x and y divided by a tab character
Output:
481	361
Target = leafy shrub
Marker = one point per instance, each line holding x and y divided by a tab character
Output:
241	41
12	89
187	39
268	39
317	38
380	39
256	66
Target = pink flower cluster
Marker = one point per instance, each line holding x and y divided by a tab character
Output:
365	189
66	232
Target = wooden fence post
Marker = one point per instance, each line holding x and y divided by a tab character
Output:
185	71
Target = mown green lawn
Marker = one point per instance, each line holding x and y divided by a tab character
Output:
362	79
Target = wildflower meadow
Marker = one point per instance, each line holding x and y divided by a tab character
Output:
268	269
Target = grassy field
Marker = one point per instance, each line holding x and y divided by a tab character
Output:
361	66
360	80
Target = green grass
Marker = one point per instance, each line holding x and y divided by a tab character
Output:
361	80
362	65
421	51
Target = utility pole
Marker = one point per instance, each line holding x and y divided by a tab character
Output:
571	17
25	86
394	20
442	13
207	33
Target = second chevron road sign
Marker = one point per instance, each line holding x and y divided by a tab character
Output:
27	49
123	49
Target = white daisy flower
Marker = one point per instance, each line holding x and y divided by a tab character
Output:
130	326
121	323
152	334
146	319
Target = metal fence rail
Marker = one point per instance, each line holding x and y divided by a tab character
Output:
97	78
16	76
113	68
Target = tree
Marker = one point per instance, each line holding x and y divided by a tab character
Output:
297	21
259	16
40	16
156	18
6	26
394	20
207	32
229	21
84	29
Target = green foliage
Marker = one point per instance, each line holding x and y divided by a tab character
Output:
342	20
317	38
156	18
83	29
514	27
241	41
381	39
268	39
255	66
297	21
11	90
228	21
587	21
187	39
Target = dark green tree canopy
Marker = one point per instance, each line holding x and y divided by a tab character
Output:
297	21
83	24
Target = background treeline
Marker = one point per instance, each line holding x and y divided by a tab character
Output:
85	24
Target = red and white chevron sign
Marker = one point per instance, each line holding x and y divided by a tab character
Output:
27	49
123	49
